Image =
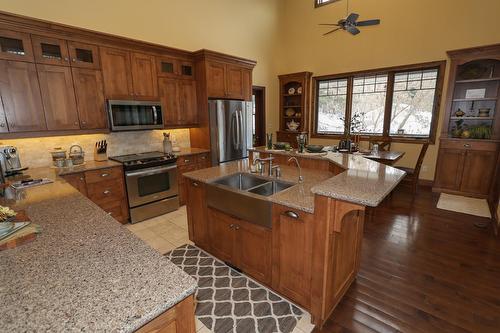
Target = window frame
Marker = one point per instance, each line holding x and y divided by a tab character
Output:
390	71
318	4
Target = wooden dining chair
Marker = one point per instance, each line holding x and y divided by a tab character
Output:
382	145
412	174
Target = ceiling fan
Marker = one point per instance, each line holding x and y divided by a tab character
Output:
350	23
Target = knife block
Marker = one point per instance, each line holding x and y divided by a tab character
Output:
100	156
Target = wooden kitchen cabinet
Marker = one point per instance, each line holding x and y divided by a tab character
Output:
77	180
116	73
50	51
174	67
89	92
222	235
178	319
144	76
15	45
197	213
449	169
178	98
187	163
58	97
228	81
20	97
292	253
479	168
83	55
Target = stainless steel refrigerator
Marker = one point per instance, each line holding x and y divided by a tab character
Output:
230	129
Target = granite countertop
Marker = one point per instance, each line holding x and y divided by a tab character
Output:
363	182
191	151
85	271
87	166
298	196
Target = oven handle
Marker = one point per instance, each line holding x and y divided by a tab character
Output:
155	115
150	172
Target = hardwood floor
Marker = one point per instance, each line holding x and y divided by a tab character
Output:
423	270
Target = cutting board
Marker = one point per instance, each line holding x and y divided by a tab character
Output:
23	236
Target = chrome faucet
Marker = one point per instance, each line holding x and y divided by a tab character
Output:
294	159
271	167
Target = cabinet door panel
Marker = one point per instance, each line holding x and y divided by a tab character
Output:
116	73
292	254
21	99
234	82
89	91
77	180
15	45
479	167
169	97
167	67
221	233
58	96
197	213
84	55
253	250
50	51
144	76
247	84
187	99
449	168
216	79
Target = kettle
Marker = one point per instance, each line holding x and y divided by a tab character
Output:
76	154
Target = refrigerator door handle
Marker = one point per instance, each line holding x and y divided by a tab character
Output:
234	129
238	129
241	129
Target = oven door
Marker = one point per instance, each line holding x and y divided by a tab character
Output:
151	184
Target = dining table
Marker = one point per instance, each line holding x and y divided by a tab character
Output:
384	157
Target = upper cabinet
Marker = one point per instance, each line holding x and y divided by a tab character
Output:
175	67
84	55
228	81
128	75
15	45
20	97
178	98
50	51
89	92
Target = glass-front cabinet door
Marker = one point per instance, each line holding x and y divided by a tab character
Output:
51	51
84	55
15	46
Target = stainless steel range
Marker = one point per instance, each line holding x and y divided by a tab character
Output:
151	180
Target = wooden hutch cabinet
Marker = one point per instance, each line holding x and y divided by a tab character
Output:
295	103
470	137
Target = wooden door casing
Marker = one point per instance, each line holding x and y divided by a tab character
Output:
197	213
449	168
292	254
60	44
479	167
58	97
89	92
221	234
144	76
73	48
116	72
24	39
253	252
20	96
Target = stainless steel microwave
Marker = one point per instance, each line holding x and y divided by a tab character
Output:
134	115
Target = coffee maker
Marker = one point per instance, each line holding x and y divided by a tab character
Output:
10	161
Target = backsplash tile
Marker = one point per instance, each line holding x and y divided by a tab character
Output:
35	152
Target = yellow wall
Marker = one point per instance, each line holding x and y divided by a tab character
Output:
283	36
411	31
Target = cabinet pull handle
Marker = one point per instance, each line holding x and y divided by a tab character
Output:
74	60
104	174
467	145
195	184
106	192
237	227
231	226
66	59
187	161
82	179
292	214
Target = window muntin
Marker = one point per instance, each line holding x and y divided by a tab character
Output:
368	104
413	102
332	105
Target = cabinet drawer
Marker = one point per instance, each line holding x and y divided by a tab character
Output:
106	191
186	160
203	158
100	175
466	144
114	209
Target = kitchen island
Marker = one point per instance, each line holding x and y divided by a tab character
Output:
310	251
84	272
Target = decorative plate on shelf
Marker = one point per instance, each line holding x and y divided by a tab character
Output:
299	90
290	112
291	91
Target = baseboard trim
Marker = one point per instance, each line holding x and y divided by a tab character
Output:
425	182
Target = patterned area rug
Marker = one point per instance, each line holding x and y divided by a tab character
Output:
228	301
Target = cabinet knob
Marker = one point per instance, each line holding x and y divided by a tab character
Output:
106	192
187	161
231	226
104	174
66	59
237	227
109	213
195	184
74	60
76	123
292	214
467	145
82	179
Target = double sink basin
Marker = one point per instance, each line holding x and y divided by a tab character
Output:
243	195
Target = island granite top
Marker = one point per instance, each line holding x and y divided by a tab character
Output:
85	271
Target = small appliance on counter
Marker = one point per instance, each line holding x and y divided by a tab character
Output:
151	181
167	144
10	161
101	151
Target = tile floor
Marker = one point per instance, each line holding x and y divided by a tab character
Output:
166	232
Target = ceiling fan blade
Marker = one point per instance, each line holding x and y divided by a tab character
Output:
329	24
367	23
352	17
353	30
329	32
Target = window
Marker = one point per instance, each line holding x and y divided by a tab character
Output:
319	3
401	103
